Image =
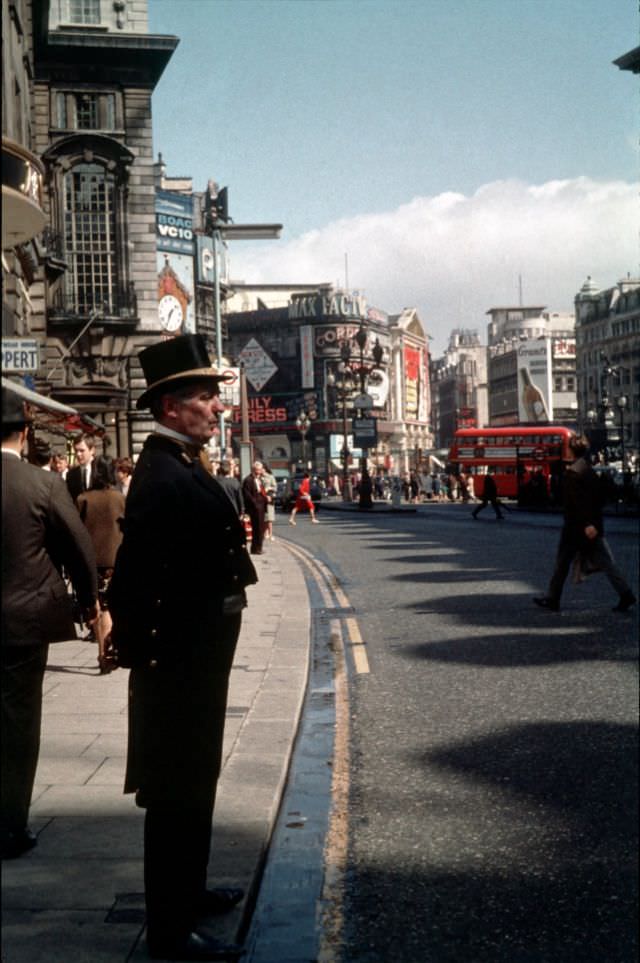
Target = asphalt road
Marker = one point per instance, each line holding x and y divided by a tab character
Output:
492	805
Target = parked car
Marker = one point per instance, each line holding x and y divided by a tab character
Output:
281	485
292	487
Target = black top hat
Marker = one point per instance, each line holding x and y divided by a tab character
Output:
174	361
14	412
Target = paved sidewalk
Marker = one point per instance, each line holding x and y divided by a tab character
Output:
78	896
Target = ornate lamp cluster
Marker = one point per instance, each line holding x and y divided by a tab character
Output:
352	374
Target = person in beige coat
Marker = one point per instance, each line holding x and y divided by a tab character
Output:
101	509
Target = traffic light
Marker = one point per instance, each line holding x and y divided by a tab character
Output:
216	205
221	205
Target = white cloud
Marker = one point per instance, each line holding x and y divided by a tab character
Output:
454	257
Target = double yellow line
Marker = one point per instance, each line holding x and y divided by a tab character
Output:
345	629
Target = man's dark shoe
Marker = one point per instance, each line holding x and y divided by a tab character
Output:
16	843
547	603
625	603
196	946
214	902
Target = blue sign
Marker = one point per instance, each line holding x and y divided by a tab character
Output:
174	223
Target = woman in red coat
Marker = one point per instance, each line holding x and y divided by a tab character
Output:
304	502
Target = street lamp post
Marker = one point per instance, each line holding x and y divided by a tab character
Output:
221	228
344	387
364	497
302	424
621	402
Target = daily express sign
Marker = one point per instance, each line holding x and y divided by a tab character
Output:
20	355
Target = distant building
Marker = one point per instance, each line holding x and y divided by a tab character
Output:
289	338
531	366
459	386
608	362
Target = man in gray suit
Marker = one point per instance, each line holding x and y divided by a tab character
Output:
41	531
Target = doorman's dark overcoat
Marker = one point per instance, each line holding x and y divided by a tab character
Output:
183	553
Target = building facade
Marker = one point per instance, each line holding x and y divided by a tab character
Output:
608	365
23	217
94	288
293	357
459	386
531	366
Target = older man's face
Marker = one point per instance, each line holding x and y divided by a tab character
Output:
196	414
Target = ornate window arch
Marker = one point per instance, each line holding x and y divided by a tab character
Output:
89	192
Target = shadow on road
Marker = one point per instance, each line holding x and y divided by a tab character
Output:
568	895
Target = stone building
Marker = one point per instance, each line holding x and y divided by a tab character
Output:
459	386
608	363
94	288
531	366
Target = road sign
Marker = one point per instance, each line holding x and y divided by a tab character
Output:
230	387
365	432
20	354
257	364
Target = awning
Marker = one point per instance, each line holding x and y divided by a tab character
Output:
50	415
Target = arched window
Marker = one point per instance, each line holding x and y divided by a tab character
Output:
90	238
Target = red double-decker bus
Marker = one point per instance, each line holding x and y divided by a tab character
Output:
520	458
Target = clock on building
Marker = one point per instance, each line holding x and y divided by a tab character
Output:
173	300
170	313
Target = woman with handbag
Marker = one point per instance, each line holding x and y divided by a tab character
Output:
304	502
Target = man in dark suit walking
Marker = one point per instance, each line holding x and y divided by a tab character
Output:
489	494
80	477
176	598
583	532
41	531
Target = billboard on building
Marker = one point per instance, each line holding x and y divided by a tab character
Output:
564	348
306	355
174	260
206	263
412	386
534	381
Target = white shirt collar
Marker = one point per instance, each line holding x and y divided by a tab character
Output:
11	451
176	435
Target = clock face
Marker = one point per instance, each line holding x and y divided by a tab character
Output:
170	313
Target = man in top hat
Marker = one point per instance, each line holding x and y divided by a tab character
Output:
176	598
41	531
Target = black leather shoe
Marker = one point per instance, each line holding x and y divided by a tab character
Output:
196	946
546	603
625	603
16	843
214	902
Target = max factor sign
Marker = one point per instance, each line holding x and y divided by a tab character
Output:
334	305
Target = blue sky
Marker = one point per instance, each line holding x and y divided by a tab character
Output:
388	129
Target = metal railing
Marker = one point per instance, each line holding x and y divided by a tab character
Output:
121	306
